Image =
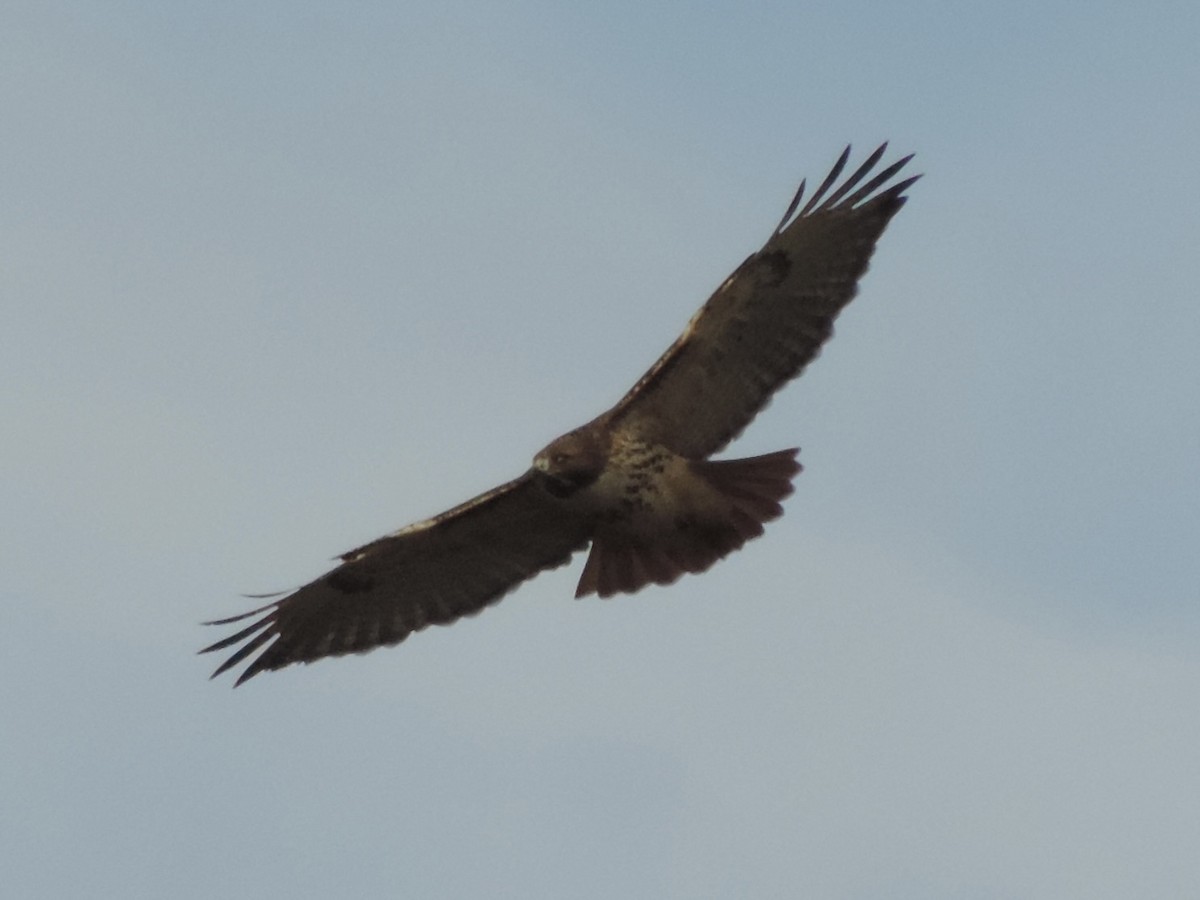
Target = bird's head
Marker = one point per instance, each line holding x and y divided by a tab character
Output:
570	462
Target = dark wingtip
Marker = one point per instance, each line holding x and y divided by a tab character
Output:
246	650
827	183
862	194
904	185
856	189
255	635
792	206
850	183
231	619
246	676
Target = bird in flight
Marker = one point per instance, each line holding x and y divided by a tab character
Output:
637	483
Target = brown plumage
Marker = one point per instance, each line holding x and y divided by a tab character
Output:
636	482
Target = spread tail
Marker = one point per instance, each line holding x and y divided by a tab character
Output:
747	495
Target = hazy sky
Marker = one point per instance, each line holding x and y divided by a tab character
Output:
277	278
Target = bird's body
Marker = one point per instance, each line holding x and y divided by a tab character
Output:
656	514
636	483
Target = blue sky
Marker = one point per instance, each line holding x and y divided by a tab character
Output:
278	278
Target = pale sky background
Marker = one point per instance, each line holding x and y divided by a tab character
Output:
277	278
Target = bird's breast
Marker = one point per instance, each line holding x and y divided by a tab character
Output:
645	488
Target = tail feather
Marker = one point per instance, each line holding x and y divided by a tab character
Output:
622	569
767	477
658	566
747	525
750	491
589	580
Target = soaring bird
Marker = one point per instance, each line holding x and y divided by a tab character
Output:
637	483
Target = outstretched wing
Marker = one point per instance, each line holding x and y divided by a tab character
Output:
429	573
768	320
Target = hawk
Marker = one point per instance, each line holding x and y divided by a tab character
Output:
637	483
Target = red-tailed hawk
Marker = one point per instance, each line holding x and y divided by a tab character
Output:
636	483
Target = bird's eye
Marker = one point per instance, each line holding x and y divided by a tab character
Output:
559	458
